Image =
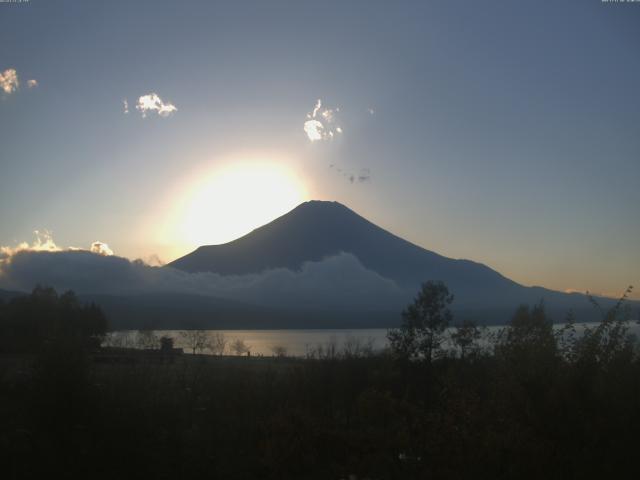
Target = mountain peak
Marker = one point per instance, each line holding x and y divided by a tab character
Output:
321	205
318	229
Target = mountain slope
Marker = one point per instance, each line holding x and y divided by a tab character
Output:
316	229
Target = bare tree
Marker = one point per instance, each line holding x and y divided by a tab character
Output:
196	340
279	351
239	347
217	343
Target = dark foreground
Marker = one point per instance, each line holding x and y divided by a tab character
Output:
531	402
325	418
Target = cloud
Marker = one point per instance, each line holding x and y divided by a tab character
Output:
321	123
125	104
316	108
361	177
364	175
101	249
153	260
9	80
370	111
336	281
573	290
153	103
43	242
314	130
340	280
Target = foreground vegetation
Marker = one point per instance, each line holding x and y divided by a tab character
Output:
528	403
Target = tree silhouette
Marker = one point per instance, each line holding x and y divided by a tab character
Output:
465	335
239	347
196	340
30	322
217	343
424	322
529	335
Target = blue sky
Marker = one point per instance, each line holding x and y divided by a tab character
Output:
504	132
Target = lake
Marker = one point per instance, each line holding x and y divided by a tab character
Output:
301	342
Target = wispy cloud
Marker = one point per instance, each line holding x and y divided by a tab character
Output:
32	83
363	176
321	123
153	103
125	105
9	82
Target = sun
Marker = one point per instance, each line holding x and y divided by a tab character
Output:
232	201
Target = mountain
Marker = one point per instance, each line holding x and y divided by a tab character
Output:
315	230
319	266
168	311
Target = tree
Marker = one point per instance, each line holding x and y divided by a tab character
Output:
465	335
166	344
196	340
217	343
424	322
239	347
529	335
32	321
610	339
355	347
279	351
147	340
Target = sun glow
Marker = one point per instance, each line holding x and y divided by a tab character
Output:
236	199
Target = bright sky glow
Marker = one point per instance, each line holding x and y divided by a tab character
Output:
234	200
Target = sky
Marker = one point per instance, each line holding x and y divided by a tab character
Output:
506	132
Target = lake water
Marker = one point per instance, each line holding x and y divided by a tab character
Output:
299	343
296	342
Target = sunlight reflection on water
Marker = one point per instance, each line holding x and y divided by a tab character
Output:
300	342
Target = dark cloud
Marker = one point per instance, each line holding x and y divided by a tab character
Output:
339	280
364	175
